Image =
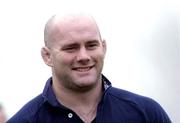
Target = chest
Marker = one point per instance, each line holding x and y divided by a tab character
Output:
106	113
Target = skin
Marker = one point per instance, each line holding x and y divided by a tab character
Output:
2	116
75	52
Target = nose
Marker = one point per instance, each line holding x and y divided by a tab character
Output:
83	56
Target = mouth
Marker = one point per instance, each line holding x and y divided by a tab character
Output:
83	69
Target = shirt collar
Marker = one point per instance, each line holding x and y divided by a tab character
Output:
49	95
106	82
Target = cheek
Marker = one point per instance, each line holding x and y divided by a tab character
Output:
64	60
100	55
99	58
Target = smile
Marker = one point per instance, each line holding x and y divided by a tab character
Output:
82	69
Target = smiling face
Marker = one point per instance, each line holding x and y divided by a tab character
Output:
76	53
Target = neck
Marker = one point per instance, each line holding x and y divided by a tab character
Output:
67	96
84	104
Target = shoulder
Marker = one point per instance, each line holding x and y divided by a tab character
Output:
28	112
128	96
147	106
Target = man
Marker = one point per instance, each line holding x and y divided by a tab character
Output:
77	92
2	115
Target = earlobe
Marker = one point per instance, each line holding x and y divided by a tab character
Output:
104	46
45	53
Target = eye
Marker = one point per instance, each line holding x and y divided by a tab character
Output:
92	45
70	48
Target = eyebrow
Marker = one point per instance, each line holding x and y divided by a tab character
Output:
70	44
76	43
93	41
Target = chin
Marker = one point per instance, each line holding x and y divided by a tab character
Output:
84	86
86	82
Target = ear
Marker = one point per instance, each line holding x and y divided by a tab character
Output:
104	46
46	55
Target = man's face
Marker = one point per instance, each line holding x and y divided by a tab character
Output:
77	55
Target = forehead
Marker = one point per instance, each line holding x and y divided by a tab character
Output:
75	27
73	19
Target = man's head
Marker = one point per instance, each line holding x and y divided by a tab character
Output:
75	51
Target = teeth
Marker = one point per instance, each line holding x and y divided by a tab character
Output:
83	69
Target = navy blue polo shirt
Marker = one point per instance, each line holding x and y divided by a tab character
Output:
116	106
